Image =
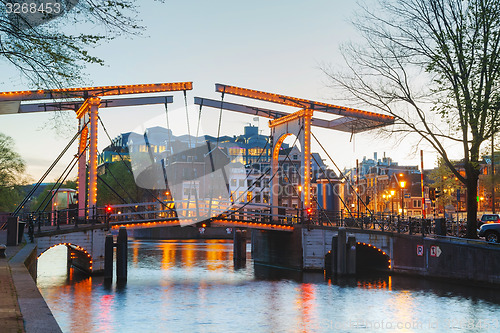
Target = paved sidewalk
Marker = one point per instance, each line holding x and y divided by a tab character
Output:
11	319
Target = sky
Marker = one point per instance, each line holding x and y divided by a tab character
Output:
273	46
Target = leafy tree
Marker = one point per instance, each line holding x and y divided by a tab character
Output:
435	66
11	169
70	184
444	180
119	178
33	41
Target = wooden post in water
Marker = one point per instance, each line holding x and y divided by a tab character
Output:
341	252
335	242
108	258
351	255
121	255
239	247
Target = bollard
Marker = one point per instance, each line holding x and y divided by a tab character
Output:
351	255
341	252
2	251
12	231
121	255
108	258
333	258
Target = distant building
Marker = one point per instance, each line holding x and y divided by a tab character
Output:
376	187
158	156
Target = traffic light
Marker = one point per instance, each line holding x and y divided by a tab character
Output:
309	211
108	209
367	201
437	193
204	224
432	193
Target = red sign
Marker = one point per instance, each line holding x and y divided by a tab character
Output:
420	250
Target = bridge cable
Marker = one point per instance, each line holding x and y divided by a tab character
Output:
132	200
192	160
220	114
61	179
37	185
168	126
253	184
132	173
258	159
314	198
112	190
341	174
330	182
272	177
209	214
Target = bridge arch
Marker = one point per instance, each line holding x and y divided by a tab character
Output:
298	124
371	258
85	247
77	256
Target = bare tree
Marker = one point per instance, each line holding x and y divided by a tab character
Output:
434	65
32	37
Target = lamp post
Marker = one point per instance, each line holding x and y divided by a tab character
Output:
392	202
402	184
300	204
385	203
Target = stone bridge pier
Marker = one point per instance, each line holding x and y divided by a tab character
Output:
431	255
85	247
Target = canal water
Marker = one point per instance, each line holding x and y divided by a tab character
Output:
193	286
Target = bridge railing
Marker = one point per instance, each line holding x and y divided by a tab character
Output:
38	222
391	223
249	212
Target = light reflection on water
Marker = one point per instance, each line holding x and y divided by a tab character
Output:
192	286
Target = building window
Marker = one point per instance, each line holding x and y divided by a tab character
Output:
233	182
255	151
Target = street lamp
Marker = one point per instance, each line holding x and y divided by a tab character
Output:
402	184
392	201
383	197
